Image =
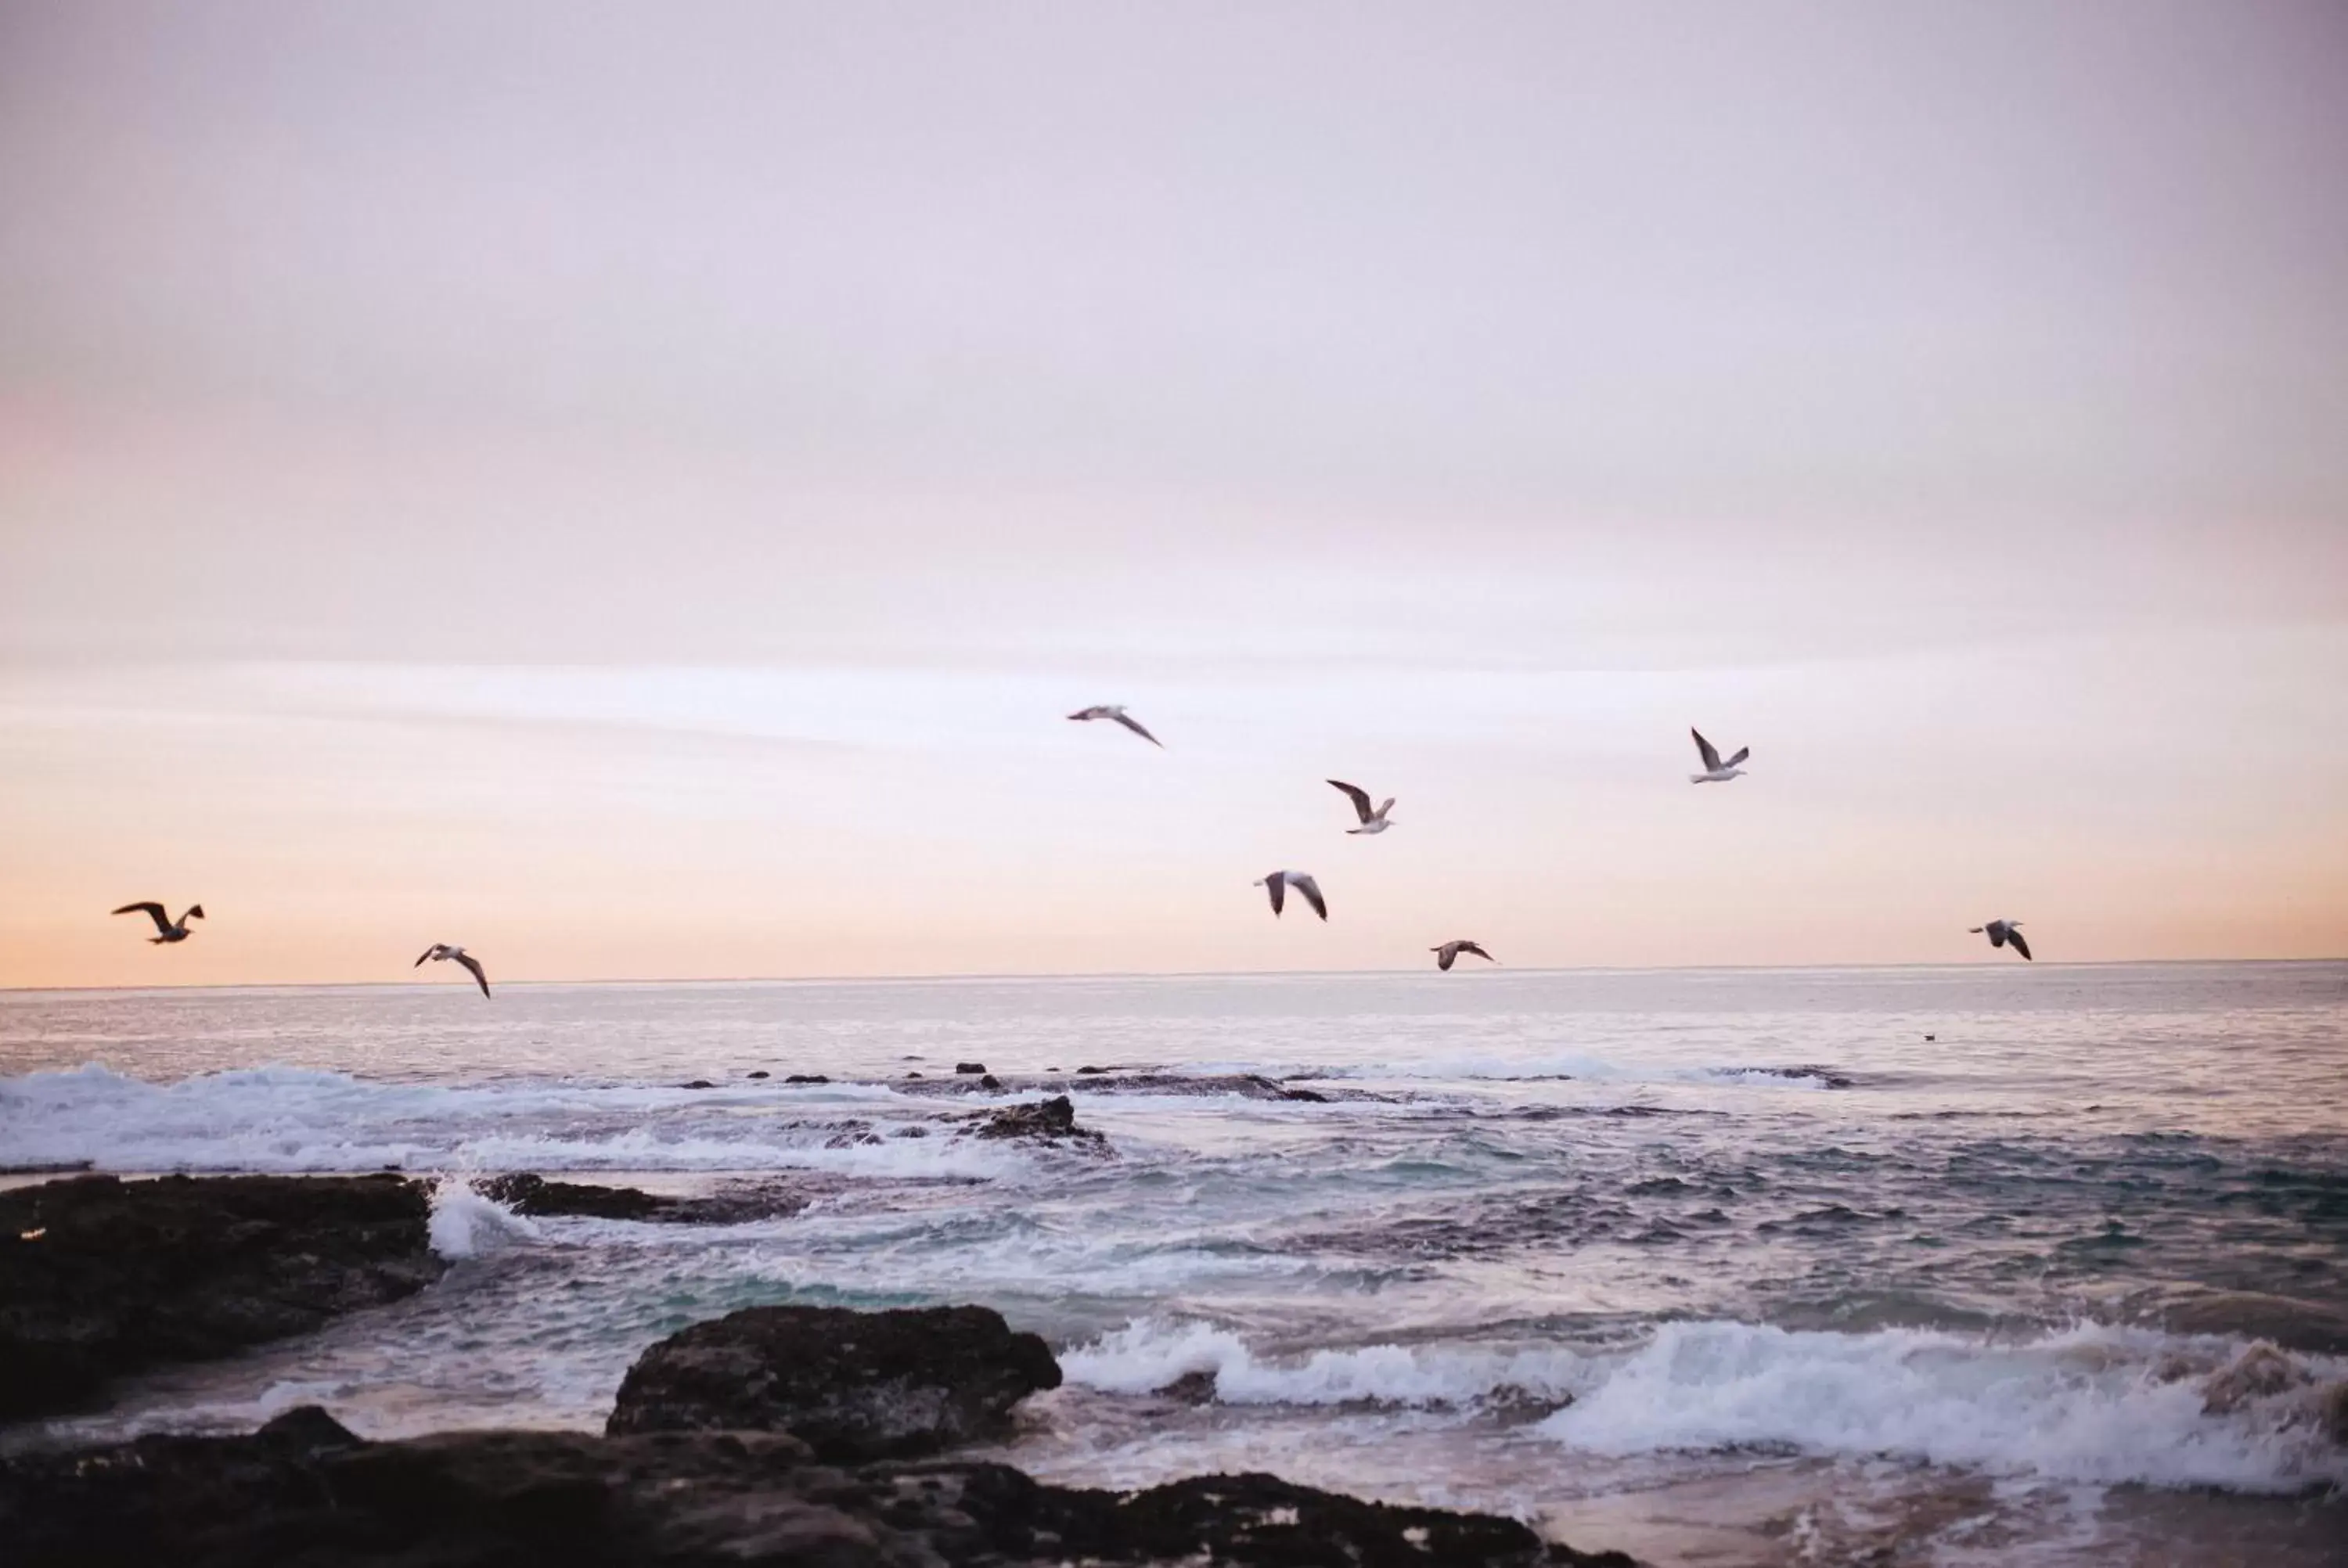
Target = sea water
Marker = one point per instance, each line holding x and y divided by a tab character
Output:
1716	1266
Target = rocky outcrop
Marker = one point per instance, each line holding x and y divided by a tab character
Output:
526	1193
1050	1121
852	1385
304	1491
121	1275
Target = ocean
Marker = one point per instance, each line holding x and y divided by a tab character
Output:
1896	1266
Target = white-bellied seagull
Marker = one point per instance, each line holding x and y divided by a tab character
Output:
1117	711
1444	954
443	950
1279	882
2002	934
166	929
1715	770
1372	821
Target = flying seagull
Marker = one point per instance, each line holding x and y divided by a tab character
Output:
2003	933
1372	821
1117	711
443	950
1280	882
1444	954
166	931
1715	770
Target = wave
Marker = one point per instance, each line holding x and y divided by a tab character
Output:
1568	1065
467	1225
2089	1404
293	1120
1152	1353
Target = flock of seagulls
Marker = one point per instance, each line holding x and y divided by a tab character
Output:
1276	884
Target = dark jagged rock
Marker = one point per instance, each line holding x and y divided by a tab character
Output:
990	1081
969	1067
1247	1085
853	1386
303	1494
1051	1120
528	1194
813	1078
130	1275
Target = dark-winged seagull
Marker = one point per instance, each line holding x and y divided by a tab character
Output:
1715	770
443	950
2003	934
1444	954
1372	821
1117	711
1279	882
166	930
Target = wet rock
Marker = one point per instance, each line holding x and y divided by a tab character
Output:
304	1492
990	1081
969	1067
526	1193
1090	1071
912	1075
852	1385
818	1078
1192	1388
1051	1120
698	1084
1246	1085
758	1072
130	1275
2332	1410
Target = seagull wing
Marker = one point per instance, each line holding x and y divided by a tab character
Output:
1742	752
2019	944
1444	954
1134	726
1358	795
151	909
474	964
431	952
1086	713
1472	947
1996	932
1703	748
1312	891
1276	884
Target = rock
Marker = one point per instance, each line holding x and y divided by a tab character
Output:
758	1073
969	1067
1192	1388
814	1078
130	1275
698	1084
1247	1085
1050	1119
852	1385
912	1075
1090	1071
526	1193
304	1492
990	1081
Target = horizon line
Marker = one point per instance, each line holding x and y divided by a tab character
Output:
948	977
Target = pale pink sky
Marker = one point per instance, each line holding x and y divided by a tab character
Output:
633	487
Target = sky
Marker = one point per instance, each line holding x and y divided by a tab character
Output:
634	489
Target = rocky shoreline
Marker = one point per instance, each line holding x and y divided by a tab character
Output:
774	1435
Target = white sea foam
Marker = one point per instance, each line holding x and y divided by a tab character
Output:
1152	1353
466	1224
280	1119
2087	1404
2084	1405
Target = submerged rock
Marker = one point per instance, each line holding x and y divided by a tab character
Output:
1050	1119
853	1386
303	1492
527	1192
128	1275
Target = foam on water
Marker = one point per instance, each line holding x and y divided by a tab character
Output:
1150	1354
2087	1404
466	1224
294	1120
